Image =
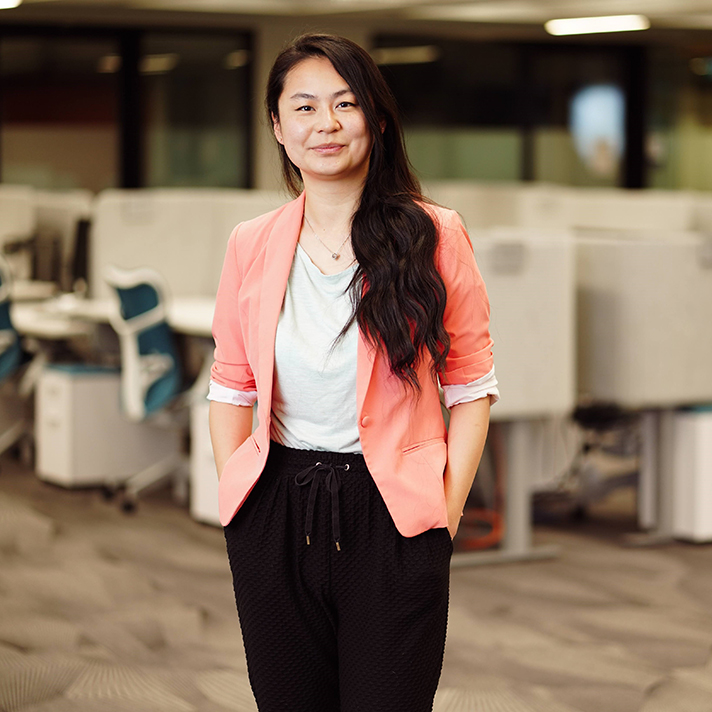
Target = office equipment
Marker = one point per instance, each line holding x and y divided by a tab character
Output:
61	217
10	347
82	436
12	358
151	375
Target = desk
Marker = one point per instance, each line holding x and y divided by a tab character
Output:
188	315
26	290
30	319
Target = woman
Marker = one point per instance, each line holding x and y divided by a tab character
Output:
338	313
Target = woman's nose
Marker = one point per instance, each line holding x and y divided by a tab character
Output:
328	121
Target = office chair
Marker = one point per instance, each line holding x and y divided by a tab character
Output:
151	373
13	359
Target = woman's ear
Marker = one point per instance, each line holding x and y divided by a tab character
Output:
382	123
277	129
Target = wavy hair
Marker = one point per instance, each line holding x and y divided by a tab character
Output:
394	239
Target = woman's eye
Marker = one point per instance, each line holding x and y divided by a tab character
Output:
347	103
303	108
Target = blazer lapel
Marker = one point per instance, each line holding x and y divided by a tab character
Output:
279	254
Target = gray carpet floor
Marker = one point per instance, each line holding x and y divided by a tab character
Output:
100	612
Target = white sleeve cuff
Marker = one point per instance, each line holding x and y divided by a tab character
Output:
479	388
223	394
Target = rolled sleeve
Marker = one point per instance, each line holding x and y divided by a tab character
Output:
474	390
467	311
221	394
231	367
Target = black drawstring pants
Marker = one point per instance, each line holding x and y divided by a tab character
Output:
339	612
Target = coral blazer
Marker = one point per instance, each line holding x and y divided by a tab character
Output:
403	438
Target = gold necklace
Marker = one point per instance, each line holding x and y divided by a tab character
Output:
334	255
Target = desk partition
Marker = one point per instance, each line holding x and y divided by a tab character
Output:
644	315
484	205
182	233
18	222
530	282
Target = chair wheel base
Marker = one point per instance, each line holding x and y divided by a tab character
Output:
128	505
108	493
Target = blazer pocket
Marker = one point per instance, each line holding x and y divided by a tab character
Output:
419	446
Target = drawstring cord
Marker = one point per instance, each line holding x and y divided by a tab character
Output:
332	484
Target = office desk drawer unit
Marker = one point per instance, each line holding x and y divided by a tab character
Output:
83	438
692	474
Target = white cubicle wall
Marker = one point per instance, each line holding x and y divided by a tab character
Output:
484	205
644	316
549	206
181	233
616	209
18	221
530	283
17	212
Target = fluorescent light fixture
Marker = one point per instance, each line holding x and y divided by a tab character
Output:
406	55
484	11
590	25
158	63
9	4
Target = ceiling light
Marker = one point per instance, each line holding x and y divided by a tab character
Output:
9	4
590	25
406	55
158	63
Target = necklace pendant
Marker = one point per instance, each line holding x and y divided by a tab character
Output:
334	256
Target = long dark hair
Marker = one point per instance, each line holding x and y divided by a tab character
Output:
393	237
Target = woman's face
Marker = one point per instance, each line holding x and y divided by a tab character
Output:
320	125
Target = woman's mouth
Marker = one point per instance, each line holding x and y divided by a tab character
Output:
328	148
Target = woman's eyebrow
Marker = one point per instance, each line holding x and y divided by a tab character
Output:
304	95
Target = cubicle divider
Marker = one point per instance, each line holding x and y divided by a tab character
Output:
644	315
182	233
18	223
530	282
59	214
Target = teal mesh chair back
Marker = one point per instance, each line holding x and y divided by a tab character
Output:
150	364
10	347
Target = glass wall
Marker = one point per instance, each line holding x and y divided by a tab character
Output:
459	105
679	137
577	100
58	113
196	110
508	112
90	111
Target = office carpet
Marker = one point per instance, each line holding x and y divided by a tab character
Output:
103	612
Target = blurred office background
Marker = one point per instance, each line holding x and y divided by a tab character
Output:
133	139
165	94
